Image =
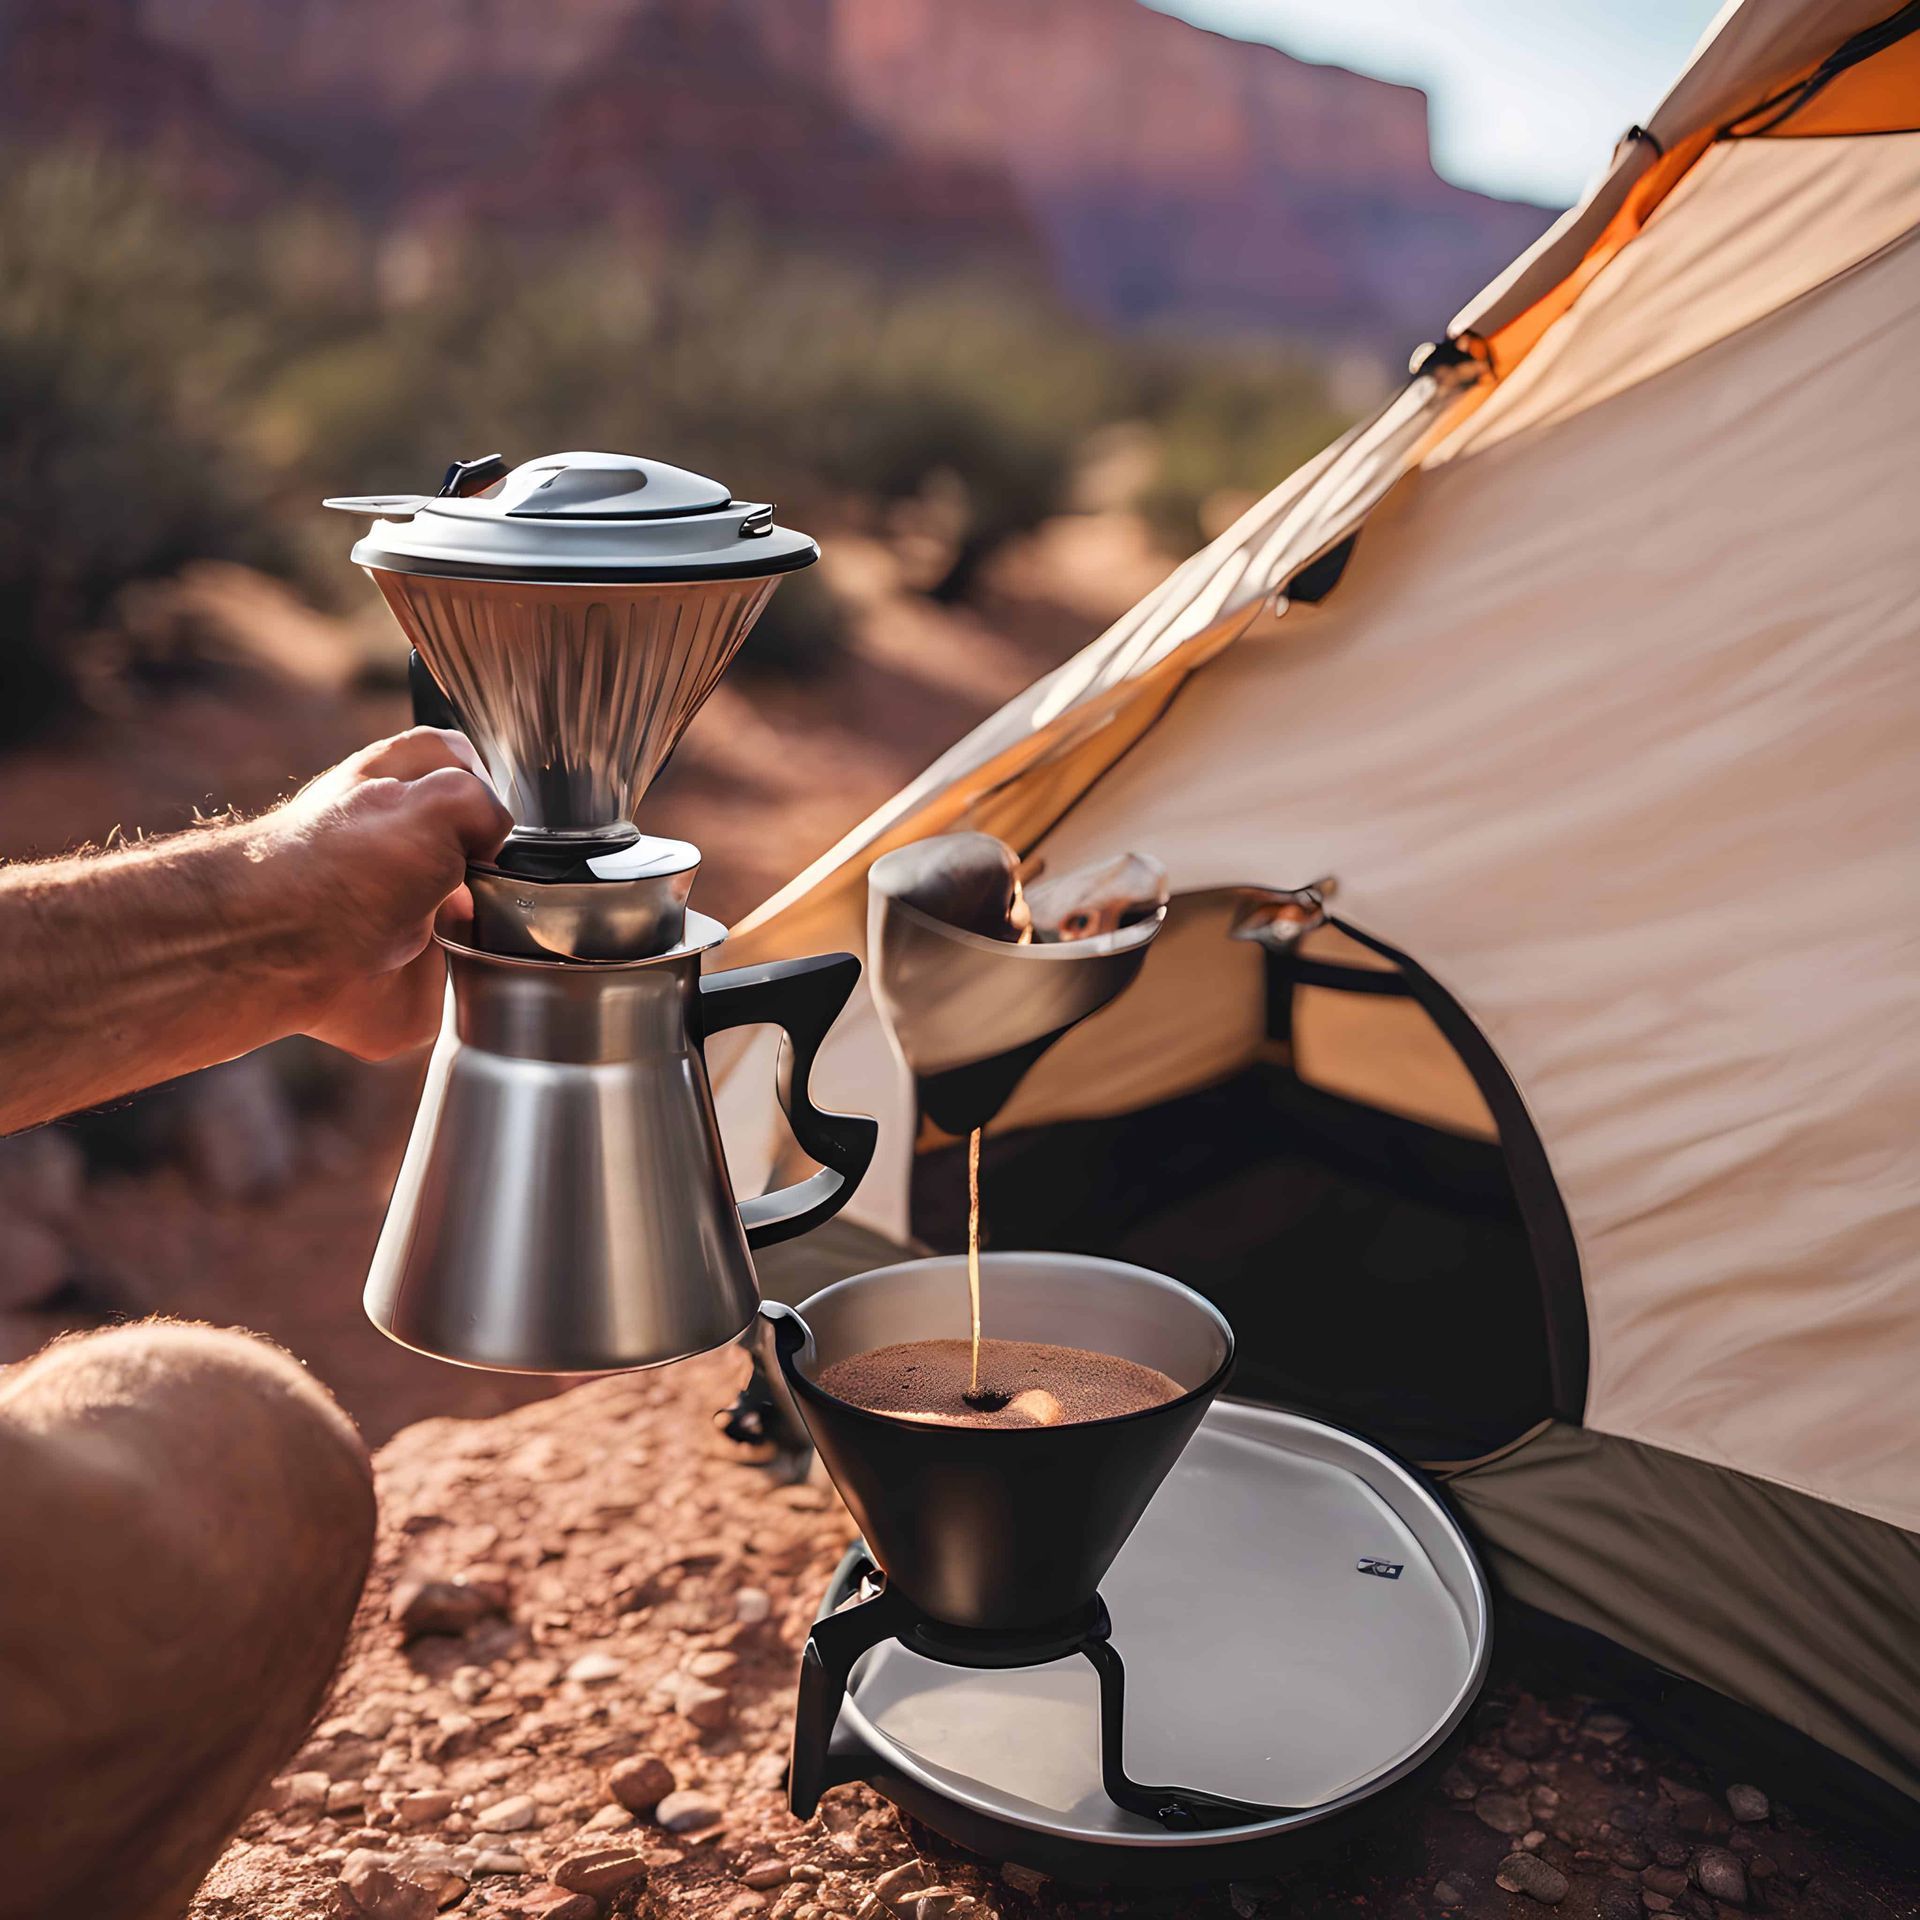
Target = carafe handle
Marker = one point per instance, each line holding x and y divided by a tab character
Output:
803	998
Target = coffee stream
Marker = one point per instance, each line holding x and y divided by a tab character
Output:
973	1255
1032	1383
986	1399
1035	1384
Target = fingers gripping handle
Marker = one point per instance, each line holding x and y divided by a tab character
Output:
803	998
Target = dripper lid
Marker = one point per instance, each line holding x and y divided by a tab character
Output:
576	518
575	612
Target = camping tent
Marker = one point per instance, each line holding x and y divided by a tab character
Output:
1577	1157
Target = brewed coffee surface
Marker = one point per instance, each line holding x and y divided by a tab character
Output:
1045	1386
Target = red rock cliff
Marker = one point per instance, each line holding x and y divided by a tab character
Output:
1156	173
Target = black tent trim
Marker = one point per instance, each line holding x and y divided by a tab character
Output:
1556	1254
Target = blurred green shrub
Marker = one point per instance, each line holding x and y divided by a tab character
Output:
120	337
797	636
174	388
1231	422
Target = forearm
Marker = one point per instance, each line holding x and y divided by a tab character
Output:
120	970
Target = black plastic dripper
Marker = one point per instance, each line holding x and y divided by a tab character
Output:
1003	1528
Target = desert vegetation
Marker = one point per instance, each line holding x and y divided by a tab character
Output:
176	387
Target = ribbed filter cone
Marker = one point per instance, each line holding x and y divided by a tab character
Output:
574	695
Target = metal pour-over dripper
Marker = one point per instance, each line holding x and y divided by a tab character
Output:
976	980
565	1203
576	612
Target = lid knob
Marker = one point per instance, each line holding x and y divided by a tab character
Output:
612	486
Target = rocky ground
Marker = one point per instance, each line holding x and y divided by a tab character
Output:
568	1695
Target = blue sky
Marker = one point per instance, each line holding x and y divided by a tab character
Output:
1528	95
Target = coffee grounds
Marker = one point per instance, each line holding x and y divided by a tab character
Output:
1045	1386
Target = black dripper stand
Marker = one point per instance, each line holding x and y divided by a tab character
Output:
987	1545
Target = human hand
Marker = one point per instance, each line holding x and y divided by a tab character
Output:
362	859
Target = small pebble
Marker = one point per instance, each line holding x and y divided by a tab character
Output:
763	1874
512	1815
601	1871
424	1808
596	1669
554	1903
374	1721
640	1784
708	1707
897	1888
372	1889
1027	1880
752	1605
1503	1812
1527	1873
686	1811
500	1860
1747	1803
1720	1876
422	1607
302	1790
950	1903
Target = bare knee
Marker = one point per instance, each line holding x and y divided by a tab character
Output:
195	1390
191	1516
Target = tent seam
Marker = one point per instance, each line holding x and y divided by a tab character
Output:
1903	1523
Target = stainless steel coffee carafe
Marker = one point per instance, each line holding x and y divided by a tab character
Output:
564	1204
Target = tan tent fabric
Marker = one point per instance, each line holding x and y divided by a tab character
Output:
1756	224
1612	727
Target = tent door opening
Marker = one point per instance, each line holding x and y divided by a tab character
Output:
1359	1197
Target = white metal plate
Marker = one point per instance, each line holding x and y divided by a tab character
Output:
1261	1661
